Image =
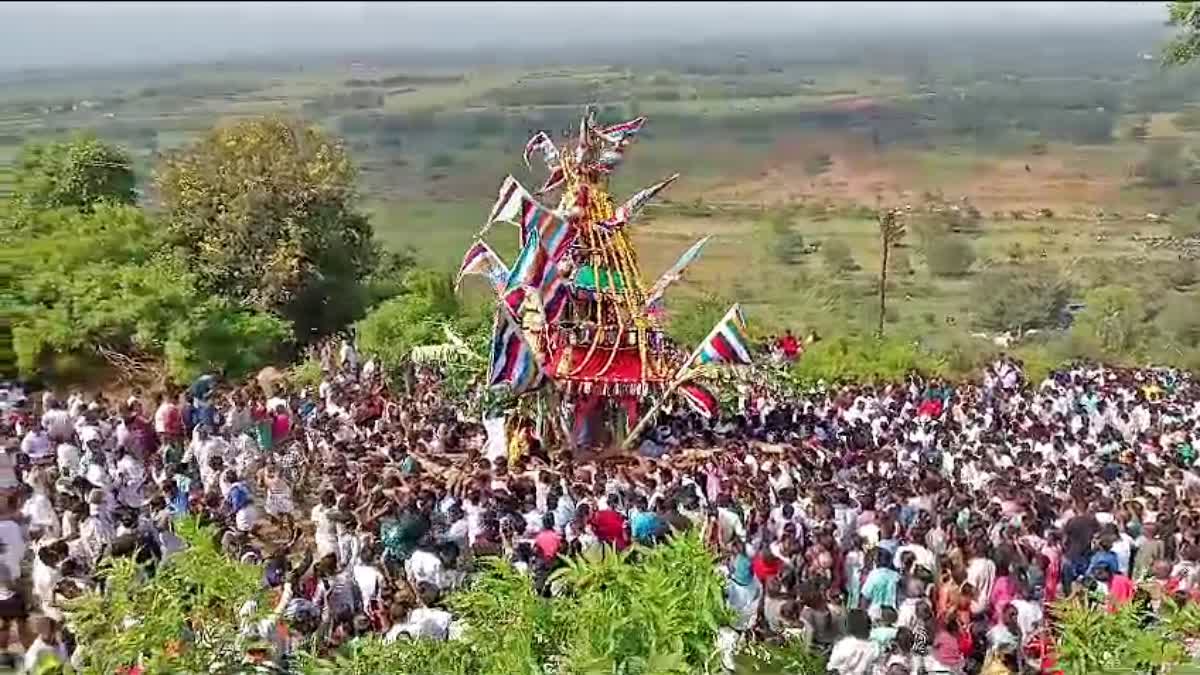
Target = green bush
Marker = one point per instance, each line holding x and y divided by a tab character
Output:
78	174
611	614
949	256
837	256
1115	318
863	359
1180	320
413	318
1091	638
1019	298
184	619
218	337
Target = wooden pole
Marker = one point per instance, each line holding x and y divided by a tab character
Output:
653	411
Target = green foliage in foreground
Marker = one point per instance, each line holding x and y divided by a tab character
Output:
1092	639
644	611
182	620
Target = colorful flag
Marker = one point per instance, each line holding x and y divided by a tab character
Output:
554	232
623	132
528	270
541	142
513	362
481	259
654	297
701	400
634	205
556	178
508	201
534	270
517	206
726	344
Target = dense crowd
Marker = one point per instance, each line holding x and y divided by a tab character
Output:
918	527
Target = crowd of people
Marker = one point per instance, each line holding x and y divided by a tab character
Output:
914	527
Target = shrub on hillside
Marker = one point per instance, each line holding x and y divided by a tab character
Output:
1164	165
837	256
1115	318
864	359
949	257
1179	320
1019	298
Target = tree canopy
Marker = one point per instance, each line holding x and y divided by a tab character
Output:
106	281
265	213
1183	49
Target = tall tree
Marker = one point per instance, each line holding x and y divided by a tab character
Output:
78	173
1185	46
891	231
266	212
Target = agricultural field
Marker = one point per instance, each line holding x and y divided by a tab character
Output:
1088	162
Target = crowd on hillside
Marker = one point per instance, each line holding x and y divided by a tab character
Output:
918	527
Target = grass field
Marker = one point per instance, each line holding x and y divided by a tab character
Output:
433	144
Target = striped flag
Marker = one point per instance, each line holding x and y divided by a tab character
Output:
700	399
481	259
623	132
513	363
654	297
541	142
555	233
508	199
534	270
529	270
516	205
634	205
726	344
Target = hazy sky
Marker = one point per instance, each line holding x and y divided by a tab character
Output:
62	33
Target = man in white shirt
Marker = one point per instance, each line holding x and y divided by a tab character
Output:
36	444
57	422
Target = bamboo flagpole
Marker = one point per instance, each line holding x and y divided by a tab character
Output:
680	375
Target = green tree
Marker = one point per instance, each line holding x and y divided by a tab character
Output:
106	282
1019	298
891	231
266	213
788	244
1115	317
949	256
79	173
1183	48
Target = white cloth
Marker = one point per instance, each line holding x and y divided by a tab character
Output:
422	622
423	566
497	440
853	656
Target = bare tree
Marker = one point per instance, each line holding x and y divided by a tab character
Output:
891	231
